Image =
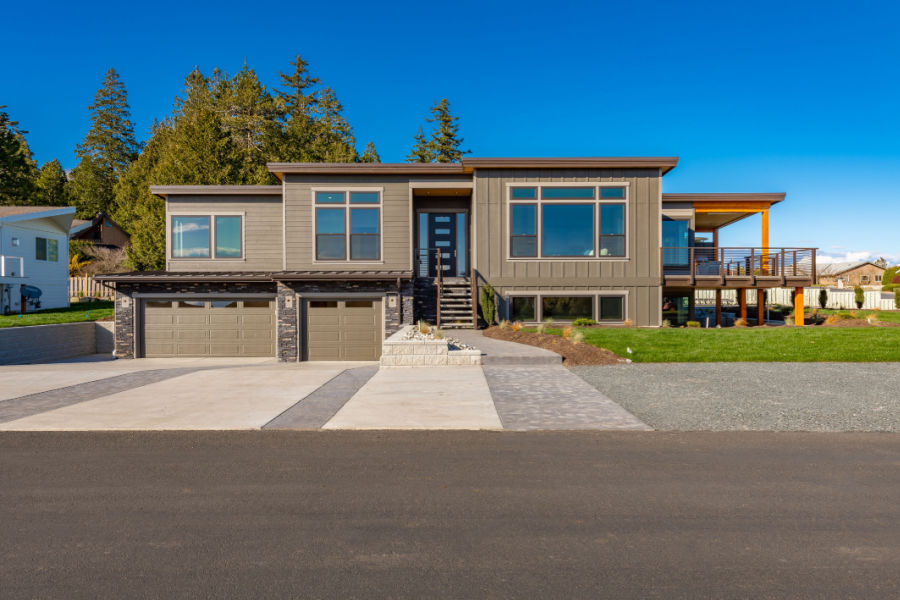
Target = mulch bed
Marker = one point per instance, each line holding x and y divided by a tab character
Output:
574	355
859	323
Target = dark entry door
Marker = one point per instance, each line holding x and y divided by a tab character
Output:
442	237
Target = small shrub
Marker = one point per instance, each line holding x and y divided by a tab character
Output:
503	324
629	323
823	297
872	318
693	323
488	303
437	333
859	295
739	322
583	322
832	319
517	326
424	328
852	315
666	324
897	297
568	331
578	337
541	327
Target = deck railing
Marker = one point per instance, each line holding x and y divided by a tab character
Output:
701	262
12	266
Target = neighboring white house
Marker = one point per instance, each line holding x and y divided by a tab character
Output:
34	253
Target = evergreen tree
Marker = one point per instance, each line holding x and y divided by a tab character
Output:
444	145
18	170
422	151
51	186
106	151
370	155
445	142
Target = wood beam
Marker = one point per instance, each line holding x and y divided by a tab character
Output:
799	316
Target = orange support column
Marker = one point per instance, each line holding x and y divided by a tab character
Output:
799	316
765	243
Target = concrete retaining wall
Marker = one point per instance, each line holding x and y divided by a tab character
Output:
396	351
47	343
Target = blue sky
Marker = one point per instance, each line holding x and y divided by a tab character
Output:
800	97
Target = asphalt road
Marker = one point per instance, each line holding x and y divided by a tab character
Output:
449	515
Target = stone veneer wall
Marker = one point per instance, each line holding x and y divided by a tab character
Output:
288	328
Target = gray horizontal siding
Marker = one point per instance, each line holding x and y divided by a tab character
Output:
395	233
262	228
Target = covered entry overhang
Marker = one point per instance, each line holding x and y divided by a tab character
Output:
712	212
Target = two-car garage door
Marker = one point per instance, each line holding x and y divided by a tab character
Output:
336	329
198	327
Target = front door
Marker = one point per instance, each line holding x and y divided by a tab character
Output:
442	237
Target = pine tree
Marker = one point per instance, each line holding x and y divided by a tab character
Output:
422	151
370	154
444	145
445	142
51	186
18	170
106	151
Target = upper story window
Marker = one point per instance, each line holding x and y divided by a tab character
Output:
207	236
46	249
348	225
571	221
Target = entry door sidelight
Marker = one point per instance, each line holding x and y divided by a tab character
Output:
442	237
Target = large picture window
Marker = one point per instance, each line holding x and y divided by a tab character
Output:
207	236
348	225
568	222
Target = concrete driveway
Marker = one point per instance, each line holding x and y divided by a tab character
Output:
233	393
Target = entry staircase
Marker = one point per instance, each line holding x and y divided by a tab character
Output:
449	297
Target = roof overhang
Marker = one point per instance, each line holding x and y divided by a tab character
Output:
469	165
62	217
164	191
240	277
714	211
341	275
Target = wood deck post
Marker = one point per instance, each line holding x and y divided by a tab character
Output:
691	313
718	307
799	316
760	307
742	303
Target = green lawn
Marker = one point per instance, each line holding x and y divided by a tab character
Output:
790	344
81	311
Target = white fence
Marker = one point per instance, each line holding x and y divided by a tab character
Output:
837	299
87	287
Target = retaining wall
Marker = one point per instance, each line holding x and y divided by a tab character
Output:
397	351
48	343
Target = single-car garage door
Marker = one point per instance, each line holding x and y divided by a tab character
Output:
343	329
212	327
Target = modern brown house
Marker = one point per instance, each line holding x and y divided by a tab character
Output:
337	256
100	231
850	274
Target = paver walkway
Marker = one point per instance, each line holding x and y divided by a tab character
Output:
321	405
499	352
552	397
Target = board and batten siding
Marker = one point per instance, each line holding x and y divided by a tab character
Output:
299	229
639	275
262	231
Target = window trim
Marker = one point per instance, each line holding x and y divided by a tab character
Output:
347	206
538	202
595	304
170	246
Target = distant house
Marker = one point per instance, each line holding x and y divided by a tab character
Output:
101	231
851	274
34	257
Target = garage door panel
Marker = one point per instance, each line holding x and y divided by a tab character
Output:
343	330
214	327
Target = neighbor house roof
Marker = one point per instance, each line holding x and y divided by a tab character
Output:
61	215
468	165
842	267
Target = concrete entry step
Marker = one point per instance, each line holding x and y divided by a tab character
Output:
499	352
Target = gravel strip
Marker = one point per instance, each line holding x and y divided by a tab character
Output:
755	396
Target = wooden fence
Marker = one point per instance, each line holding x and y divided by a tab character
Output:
85	286
837	299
